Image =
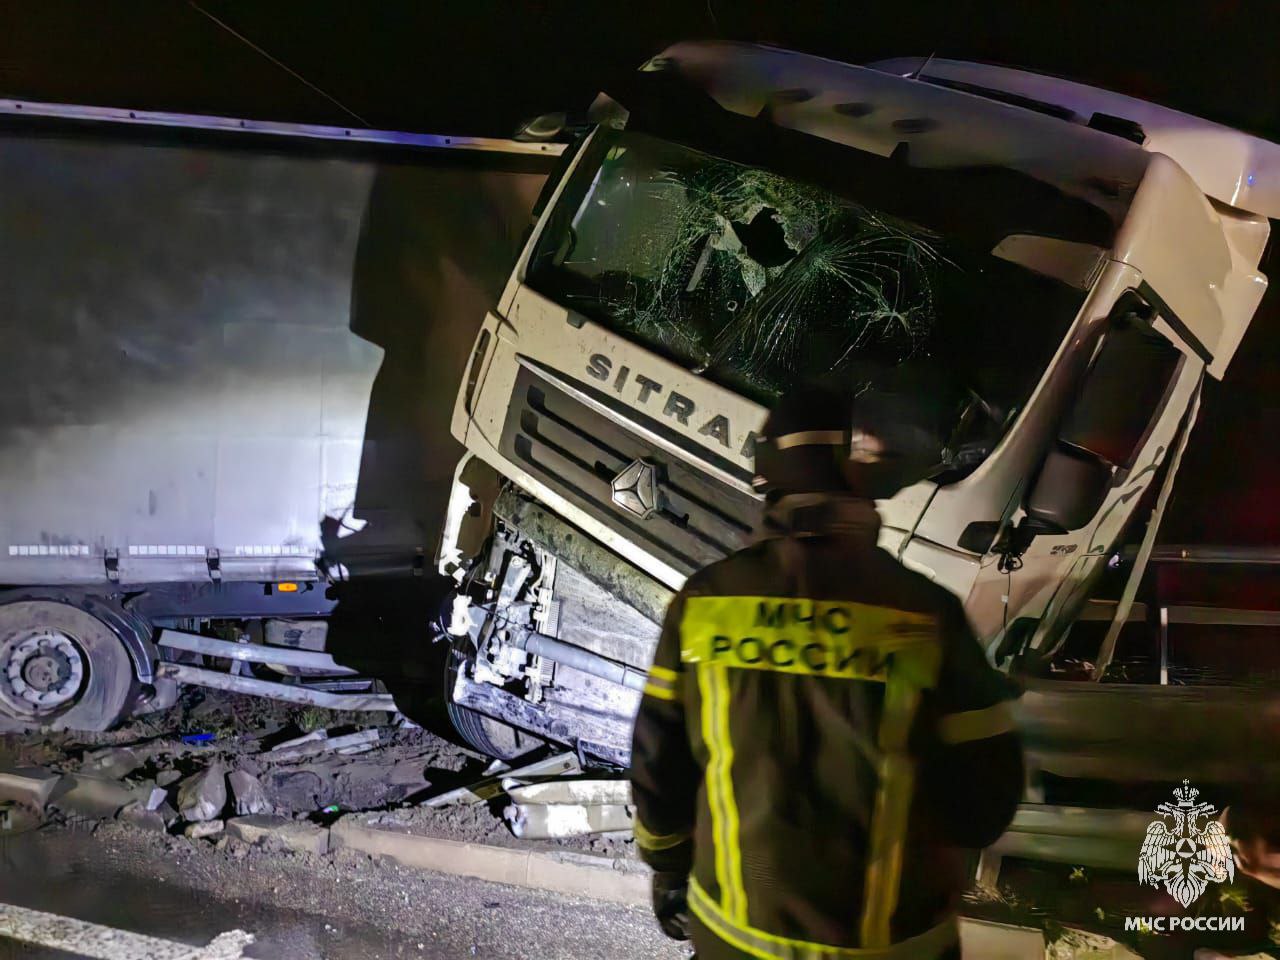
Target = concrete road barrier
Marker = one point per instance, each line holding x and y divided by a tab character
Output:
603	878
297	835
28	785
623	881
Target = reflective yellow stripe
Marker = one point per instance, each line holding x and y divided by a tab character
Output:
712	687
662	673
811	438
911	673
768	946
888	836
735	896
977	724
826	638
662	693
656	841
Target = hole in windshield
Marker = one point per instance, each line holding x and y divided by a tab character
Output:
738	270
760	281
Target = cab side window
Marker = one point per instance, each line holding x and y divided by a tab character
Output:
1120	398
1122	393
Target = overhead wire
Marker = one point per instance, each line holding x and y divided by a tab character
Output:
279	63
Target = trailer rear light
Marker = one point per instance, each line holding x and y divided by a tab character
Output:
473	373
287	587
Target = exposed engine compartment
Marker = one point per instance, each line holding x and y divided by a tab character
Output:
554	648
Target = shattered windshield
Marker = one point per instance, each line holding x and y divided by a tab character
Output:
758	281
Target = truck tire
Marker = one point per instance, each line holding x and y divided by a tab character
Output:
491	737
61	668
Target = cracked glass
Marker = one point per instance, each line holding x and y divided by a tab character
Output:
759	281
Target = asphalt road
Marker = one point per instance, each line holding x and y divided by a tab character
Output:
296	907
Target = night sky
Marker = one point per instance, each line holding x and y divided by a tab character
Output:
481	66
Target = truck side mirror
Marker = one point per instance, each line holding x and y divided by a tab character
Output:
1121	396
1069	490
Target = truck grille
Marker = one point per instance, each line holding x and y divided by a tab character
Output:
578	452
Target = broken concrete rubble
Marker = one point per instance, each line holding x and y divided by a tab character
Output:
114	763
297	835
545	821
203	795
311	737
98	798
394	765
311	745
16	818
155	798
135	814
31	786
249	796
492	785
569	791
204	829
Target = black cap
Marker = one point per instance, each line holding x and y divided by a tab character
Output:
871	440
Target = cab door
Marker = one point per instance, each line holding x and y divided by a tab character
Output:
1115	433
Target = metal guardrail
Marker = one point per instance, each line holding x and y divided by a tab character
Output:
1215	553
1105	839
1181	615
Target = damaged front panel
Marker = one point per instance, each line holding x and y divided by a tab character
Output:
755	280
555	650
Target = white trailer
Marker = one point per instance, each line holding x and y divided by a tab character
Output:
229	353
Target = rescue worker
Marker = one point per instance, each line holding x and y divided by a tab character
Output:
821	736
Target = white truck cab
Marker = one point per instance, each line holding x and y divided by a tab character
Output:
1072	261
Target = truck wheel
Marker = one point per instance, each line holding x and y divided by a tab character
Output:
491	737
60	668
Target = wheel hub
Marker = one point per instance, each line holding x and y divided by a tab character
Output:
40	671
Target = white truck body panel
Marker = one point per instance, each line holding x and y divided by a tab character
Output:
1232	167
1178	246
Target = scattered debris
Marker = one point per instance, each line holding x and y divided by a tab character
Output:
560	765
94	797
17	818
146	777
311	737
29	785
135	814
166	812
297	835
155	798
550	800
312	744
113	763
568	807
204	829
543	821
203	795
569	791
249	796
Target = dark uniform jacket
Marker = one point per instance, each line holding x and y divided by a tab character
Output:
820	736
